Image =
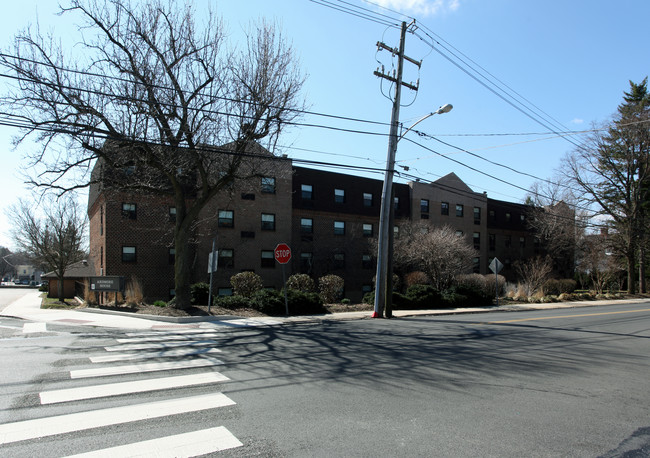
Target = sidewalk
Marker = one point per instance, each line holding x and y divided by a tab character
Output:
28	308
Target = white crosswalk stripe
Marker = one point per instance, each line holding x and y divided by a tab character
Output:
161	346
161	338
50	426
154	354
140	386
182	350
189	444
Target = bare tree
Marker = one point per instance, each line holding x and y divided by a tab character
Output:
56	240
438	252
613	170
534	273
558	222
599	262
151	95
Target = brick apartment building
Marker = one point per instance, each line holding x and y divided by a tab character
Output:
326	218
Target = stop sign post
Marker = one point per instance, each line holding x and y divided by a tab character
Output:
282	254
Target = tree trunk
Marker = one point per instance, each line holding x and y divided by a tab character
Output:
642	285
182	271
631	284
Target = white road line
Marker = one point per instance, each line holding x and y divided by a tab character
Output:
161	338
189	444
162	333
161	346
145	367
140	386
154	354
61	424
29	328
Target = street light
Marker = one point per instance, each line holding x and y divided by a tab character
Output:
386	217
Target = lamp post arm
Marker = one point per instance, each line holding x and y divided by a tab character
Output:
443	109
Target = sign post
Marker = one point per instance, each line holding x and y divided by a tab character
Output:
496	266
282	254
212	267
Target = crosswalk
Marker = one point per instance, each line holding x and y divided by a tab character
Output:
129	367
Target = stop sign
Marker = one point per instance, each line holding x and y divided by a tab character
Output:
282	253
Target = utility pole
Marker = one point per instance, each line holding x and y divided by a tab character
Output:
383	285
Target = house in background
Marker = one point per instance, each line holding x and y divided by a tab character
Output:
74	280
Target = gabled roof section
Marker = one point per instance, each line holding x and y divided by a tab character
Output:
81	269
451	180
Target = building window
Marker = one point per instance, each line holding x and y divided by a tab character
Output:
267	185
226	218
339	196
396	231
522	218
248	195
396	203
307	191
460	210
268	222
129	210
367	230
366	261
459	233
226	258
492	242
424	206
172	214
492	216
305	262
508	241
172	255
268	259
129	254
477	240
367	199
477	265
339	228
247	234
477	215
522	242
508	217
101	220
339	260
365	289
444	208
306	225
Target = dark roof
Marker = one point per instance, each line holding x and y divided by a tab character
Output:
81	269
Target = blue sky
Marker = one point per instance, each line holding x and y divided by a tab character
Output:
572	60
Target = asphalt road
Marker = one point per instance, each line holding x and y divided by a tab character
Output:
570	382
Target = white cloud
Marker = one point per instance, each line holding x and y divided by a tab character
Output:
577	121
421	7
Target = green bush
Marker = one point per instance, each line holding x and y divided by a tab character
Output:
301	282
160	304
301	303
466	296
270	302
423	296
346	301
246	283
199	293
231	302
331	288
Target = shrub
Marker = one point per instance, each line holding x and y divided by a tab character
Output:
270	302
199	293
231	302
416	278
301	303
330	288
369	298
466	296
246	283
346	301
133	291
557	287
423	296
160	304
301	282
